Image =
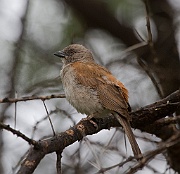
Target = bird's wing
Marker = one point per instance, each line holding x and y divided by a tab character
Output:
112	93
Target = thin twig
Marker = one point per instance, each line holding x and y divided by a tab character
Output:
14	168
149	73
35	127
133	48
148	24
15	114
58	163
19	134
14	100
49	117
116	165
152	49
98	164
148	156
139	35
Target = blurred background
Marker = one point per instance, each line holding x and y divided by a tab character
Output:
115	31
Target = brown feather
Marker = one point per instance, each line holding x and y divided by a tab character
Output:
112	93
91	88
127	128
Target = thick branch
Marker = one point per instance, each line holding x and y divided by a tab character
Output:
148	114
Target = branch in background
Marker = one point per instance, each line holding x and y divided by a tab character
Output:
95	18
163	58
52	127
148	25
15	100
10	86
103	170
146	157
175	139
19	134
58	163
147	115
153	52
150	75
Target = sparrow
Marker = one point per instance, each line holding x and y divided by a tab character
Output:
93	90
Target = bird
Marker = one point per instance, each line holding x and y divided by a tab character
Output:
92	89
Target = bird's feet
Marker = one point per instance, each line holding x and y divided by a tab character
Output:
90	119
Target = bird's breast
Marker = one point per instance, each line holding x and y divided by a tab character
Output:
83	98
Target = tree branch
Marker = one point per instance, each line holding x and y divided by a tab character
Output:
15	100
148	156
19	134
141	117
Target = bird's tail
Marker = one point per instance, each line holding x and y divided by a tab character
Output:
127	128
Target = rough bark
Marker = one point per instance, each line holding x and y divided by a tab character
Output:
150	115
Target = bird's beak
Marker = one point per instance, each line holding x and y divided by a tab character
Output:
60	54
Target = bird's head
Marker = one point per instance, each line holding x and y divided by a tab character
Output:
74	53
